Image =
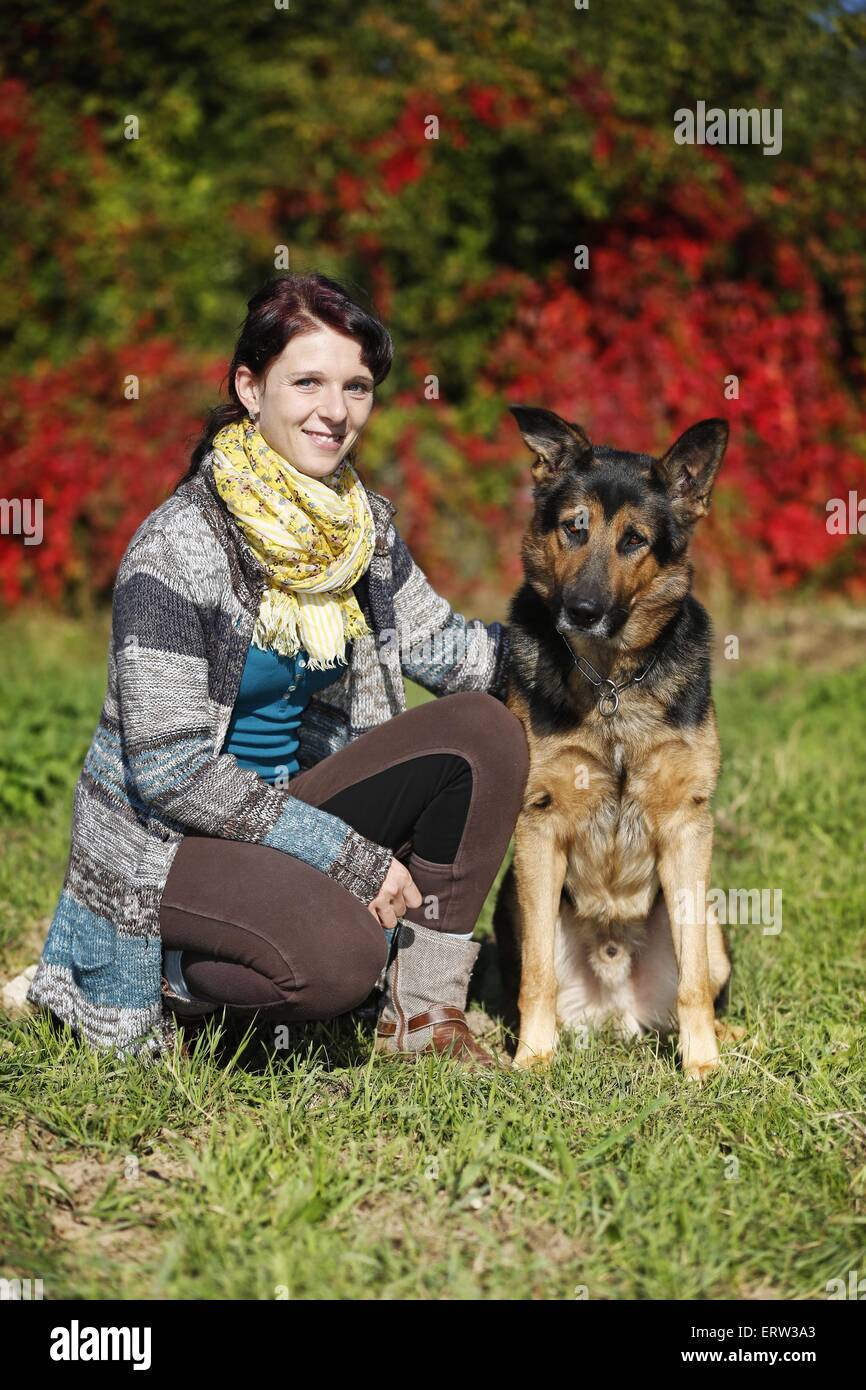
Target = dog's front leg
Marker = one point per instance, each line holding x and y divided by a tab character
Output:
539	867
684	867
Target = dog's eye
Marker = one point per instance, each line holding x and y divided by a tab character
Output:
576	530
632	540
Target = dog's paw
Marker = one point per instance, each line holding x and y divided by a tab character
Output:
538	1038
535	1061
700	1070
527	1056
729	1032
699	1050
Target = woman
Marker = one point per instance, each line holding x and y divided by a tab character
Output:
260	824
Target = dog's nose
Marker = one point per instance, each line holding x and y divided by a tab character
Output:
611	949
585	614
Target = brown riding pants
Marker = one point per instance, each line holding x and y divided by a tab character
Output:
262	931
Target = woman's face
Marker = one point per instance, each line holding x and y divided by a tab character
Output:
312	401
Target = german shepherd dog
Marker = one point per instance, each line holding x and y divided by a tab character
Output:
602	914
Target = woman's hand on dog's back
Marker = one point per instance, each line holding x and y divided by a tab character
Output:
398	892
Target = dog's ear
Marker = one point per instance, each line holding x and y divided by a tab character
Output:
555	443
688	469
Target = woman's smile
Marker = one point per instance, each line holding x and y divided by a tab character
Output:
325	440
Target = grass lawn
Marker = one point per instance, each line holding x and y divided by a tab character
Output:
320	1172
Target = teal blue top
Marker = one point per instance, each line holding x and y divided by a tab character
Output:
273	694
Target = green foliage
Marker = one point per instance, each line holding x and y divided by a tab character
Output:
305	130
249	116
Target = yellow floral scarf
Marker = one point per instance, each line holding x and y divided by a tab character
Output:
314	538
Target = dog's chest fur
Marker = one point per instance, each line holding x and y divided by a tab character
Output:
600	789
611	874
596	791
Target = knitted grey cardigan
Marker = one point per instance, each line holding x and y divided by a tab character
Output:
184	605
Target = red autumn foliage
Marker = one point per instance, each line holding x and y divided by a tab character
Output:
637	347
98	462
644	344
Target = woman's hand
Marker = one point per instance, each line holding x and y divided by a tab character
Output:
398	892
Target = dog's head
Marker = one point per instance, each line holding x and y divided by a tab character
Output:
607	546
